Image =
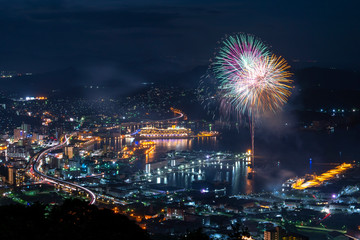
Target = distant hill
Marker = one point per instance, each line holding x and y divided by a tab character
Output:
335	79
321	84
188	79
69	82
328	88
325	78
43	83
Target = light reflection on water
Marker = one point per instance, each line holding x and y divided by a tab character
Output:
278	156
165	145
235	174
110	143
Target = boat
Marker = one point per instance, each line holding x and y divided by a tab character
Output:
207	134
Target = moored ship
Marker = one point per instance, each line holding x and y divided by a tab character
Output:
159	133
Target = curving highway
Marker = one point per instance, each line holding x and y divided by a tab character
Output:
35	164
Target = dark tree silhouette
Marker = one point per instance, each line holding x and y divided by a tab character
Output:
75	219
238	231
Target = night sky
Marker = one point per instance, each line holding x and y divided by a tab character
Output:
170	36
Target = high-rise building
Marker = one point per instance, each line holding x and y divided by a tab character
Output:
15	176
274	234
280	234
26	127
58	132
19	134
69	152
11	175
35	137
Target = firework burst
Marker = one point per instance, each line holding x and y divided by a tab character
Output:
251	79
247	77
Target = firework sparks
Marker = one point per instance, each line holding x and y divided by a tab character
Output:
251	79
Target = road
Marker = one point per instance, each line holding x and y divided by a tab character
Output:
35	164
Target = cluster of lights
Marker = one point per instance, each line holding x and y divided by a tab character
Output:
338	110
207	134
35	98
318	180
164	135
148	145
46	121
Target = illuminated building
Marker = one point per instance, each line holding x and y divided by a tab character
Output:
280	234
19	134
69	152
171	132
274	234
17	152
25	127
12	175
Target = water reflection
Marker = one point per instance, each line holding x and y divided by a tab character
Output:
233	177
293	150
110	144
165	145
232	174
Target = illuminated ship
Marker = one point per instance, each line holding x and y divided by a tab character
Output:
208	134
168	133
